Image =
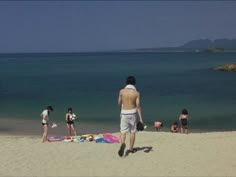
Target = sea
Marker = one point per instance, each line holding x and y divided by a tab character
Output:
90	83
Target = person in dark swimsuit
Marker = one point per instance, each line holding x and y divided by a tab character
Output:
183	118
70	122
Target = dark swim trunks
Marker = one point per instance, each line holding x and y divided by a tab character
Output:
70	122
184	122
45	124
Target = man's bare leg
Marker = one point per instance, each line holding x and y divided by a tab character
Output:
122	147
122	137
132	140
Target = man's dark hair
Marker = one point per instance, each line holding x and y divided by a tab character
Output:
69	109
131	80
50	107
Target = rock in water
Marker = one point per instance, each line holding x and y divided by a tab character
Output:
226	67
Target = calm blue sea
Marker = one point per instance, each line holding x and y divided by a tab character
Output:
90	82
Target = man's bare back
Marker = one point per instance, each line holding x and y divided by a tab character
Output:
128	99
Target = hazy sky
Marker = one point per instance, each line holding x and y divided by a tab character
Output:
75	26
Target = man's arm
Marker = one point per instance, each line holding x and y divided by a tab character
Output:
139	108
119	100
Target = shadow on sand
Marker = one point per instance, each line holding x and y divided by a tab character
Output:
145	149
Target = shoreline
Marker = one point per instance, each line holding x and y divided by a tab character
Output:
26	127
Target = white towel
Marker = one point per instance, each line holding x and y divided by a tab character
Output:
54	125
129	86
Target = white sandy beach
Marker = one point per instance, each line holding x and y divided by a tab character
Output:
198	154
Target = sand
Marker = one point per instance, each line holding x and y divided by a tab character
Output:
159	154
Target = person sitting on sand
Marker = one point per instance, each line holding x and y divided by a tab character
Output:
183	118
70	117
45	119
174	127
158	125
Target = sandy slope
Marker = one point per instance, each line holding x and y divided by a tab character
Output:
160	154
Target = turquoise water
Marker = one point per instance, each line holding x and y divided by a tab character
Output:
90	82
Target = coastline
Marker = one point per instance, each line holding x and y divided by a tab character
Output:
26	127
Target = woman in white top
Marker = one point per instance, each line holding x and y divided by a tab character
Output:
45	118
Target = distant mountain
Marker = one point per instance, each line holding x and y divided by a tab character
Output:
206	44
201	45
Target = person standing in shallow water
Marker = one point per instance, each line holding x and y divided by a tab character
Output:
129	102
45	122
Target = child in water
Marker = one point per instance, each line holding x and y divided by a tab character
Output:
183	118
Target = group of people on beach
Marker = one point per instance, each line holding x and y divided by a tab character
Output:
69	117
183	120
129	104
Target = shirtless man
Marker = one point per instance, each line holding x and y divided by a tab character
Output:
129	102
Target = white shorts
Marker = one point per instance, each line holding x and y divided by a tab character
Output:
128	123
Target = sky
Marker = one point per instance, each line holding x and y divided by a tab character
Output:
83	26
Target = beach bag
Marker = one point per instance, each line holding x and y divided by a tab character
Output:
140	126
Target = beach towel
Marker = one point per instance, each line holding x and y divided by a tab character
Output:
111	138
100	140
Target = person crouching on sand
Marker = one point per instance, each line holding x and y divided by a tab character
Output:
183	118
174	127
70	117
45	122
